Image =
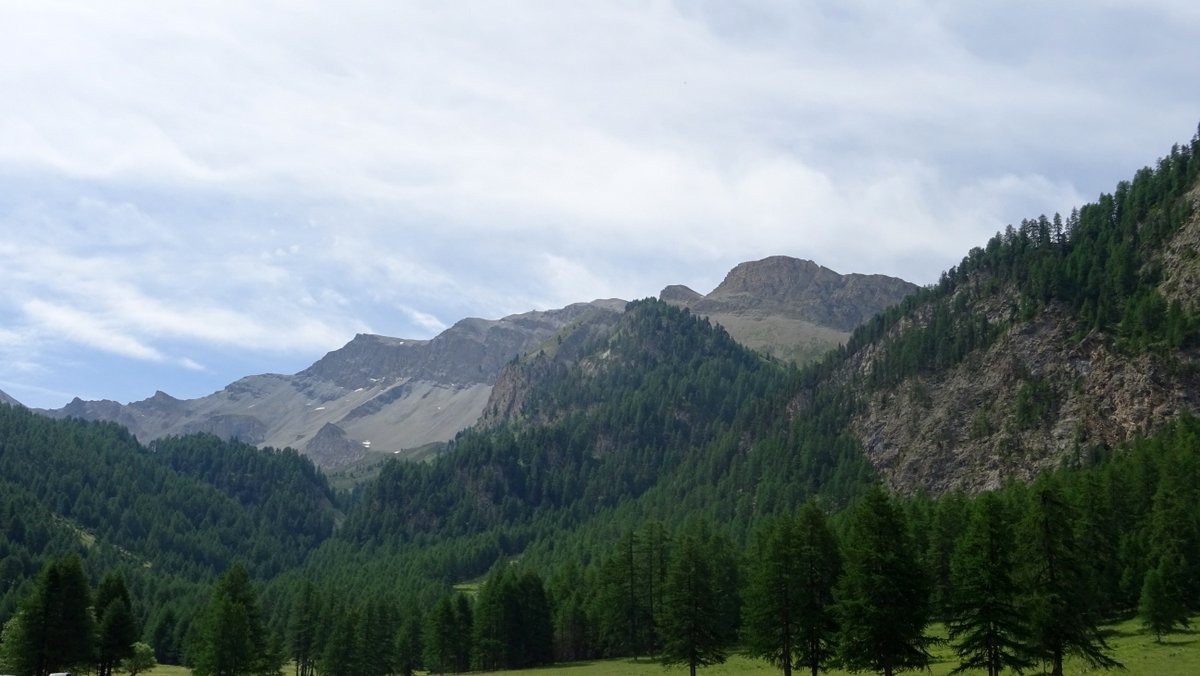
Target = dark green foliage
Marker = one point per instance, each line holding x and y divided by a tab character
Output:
1097	265
448	636
986	626
694	630
1161	605
409	647
789	608
512	622
342	656
118	630
231	639
55	630
1060	606
1035	401
303	632
883	595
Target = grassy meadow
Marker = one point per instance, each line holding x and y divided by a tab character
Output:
1177	655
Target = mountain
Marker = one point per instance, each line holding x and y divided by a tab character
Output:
380	395
1059	339
5	399
789	308
375	394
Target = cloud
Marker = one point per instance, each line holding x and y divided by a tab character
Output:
86	329
244	181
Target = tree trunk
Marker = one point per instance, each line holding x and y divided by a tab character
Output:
1058	663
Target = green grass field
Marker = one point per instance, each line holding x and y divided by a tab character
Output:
1177	655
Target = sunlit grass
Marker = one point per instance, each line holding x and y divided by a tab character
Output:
1177	655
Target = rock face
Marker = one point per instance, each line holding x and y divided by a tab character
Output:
791	308
375	394
5	399
969	427
960	429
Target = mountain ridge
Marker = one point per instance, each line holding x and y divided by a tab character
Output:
380	394
5	398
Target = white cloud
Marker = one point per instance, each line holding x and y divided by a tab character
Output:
270	179
84	328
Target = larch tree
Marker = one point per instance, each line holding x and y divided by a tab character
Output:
985	624
883	594
1054	577
692	624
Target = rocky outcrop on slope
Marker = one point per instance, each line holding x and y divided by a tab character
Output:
1032	400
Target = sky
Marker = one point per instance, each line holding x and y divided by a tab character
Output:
194	192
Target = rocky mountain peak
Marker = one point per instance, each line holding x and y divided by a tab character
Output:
678	294
791	308
802	289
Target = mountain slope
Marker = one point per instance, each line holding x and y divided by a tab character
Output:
171	517
385	394
6	399
789	308
1057	338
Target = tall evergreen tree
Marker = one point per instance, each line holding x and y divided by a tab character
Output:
341	656
303	631
820	568
118	629
408	645
1058	601
985	624
441	637
692	626
623	605
883	595
57	628
1161	605
788	613
232	640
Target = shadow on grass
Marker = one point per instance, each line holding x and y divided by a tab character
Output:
560	666
1177	642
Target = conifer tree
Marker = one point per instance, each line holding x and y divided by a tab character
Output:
789	610
118	629
341	656
408	646
772	594
303	630
441	637
624	608
1057	599
56	630
985	624
692	625
1161	606
883	595
464	619
231	638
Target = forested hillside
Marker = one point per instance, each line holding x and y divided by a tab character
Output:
1057	336
173	516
